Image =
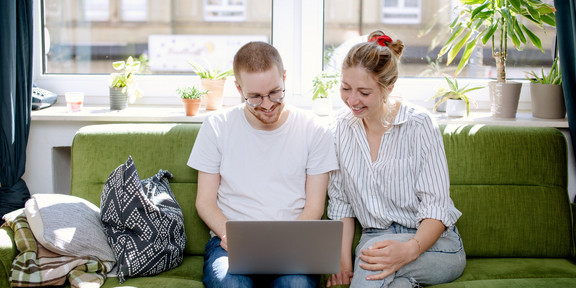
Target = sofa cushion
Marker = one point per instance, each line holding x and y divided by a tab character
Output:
188	274
143	222
511	187
516	272
68	225
512	283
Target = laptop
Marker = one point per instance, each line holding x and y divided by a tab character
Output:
284	247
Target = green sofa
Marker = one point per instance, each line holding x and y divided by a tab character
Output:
509	182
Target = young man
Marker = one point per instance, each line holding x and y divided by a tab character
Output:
263	160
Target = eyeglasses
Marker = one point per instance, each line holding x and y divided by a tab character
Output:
275	96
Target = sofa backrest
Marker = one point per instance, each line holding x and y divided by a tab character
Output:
510	183
99	149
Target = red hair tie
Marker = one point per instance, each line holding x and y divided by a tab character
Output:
381	40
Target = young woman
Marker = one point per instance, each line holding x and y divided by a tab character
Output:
393	179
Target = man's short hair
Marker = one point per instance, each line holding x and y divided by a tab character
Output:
257	57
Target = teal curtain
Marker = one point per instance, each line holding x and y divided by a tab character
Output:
16	35
566	34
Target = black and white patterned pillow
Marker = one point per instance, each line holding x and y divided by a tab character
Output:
142	221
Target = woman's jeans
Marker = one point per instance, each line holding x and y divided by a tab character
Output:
442	263
216	273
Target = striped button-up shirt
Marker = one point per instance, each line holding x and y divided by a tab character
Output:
406	184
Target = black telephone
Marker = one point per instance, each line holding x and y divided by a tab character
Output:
42	98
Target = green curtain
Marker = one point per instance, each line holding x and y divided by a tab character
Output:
16	35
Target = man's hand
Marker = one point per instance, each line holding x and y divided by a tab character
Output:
388	256
224	242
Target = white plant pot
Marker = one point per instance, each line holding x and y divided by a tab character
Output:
455	108
322	106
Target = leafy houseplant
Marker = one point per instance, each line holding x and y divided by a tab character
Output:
122	83
191	97
191	92
497	21
547	94
323	85
209	73
455	92
554	76
213	81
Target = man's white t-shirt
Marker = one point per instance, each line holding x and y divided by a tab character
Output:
263	173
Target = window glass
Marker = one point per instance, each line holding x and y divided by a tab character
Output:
225	10
86	36
97	10
134	10
423	28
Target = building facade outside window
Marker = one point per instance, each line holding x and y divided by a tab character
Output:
225	10
401	11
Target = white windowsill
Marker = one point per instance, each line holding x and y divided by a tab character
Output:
176	114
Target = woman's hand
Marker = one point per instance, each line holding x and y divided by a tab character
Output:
388	256
346	266
342	278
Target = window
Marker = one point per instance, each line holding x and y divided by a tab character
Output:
80	42
77	55
94	11
225	10
423	28
165	41
401	11
134	10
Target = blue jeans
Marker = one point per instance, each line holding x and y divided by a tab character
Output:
442	263
216	273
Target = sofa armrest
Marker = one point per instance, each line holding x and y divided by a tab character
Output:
573	230
8	252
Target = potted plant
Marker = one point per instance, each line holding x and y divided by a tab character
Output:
547	94
323	85
213	81
497	21
122	84
457	102
191	98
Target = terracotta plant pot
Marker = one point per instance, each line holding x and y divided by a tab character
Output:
547	101
504	97
192	106
118	100
215	89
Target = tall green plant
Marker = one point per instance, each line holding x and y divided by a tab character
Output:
497	22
